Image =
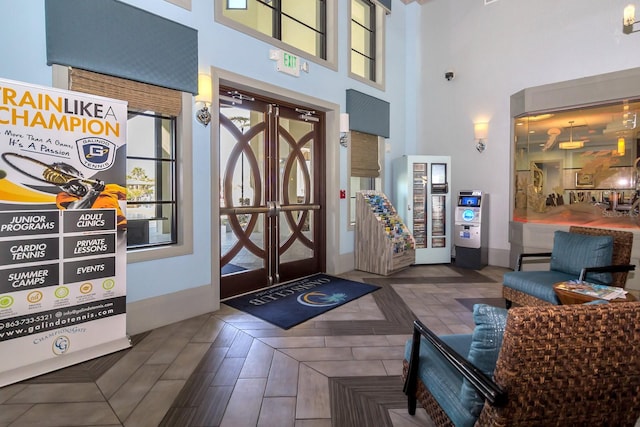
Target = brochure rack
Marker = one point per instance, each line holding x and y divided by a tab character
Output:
384	244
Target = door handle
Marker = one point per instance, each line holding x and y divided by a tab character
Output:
273	208
243	210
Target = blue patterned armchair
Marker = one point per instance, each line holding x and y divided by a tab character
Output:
566	365
596	255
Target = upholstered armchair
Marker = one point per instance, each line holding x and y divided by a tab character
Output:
567	365
596	255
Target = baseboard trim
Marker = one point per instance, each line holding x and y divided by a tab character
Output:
152	313
499	257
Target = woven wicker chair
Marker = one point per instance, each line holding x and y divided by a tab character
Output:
569	365
619	268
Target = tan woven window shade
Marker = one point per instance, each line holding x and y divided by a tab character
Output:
140	96
364	155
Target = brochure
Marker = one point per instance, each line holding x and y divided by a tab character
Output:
593	290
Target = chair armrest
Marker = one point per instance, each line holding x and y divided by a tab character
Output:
531	255
489	390
606	269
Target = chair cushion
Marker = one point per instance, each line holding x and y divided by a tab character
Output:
441	379
574	251
486	343
537	283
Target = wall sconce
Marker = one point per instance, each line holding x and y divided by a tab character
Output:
629	19
480	131
344	129
204	95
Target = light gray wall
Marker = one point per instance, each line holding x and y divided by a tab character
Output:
495	51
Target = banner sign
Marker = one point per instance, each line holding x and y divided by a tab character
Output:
62	228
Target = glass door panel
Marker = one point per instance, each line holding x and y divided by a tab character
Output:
242	136
269	201
296	175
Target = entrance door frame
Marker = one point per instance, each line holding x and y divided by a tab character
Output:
332	210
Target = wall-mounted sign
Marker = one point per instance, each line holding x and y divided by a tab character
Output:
288	63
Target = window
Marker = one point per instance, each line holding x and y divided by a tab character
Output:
365	168
151	184
363	39
155	126
300	25
367	41
578	165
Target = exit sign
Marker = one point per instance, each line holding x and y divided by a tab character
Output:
288	63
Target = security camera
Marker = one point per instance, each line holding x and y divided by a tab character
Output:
449	75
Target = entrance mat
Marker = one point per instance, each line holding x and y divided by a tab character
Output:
469	302
292	303
231	268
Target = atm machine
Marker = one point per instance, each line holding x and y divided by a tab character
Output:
471	235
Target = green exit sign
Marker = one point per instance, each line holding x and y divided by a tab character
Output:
288	63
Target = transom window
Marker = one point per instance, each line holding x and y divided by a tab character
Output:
297	23
367	40
363	39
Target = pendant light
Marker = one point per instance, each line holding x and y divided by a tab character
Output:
571	144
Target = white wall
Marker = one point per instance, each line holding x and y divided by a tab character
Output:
497	50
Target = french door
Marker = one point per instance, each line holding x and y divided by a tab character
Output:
271	192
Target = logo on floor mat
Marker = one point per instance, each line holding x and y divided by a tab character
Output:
320	299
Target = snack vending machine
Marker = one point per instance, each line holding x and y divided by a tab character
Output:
423	200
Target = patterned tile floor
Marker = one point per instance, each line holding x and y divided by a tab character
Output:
227	368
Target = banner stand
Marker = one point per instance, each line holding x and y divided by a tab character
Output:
63	228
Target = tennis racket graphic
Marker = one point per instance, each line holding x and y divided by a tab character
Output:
57	173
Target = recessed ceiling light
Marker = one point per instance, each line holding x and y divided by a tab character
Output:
540	117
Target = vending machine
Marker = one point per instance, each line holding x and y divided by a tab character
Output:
471	233
422	199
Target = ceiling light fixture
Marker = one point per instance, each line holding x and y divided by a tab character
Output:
539	117
571	144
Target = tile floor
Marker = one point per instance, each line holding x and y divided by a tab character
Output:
231	369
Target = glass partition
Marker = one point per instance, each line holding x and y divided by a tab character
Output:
578	166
